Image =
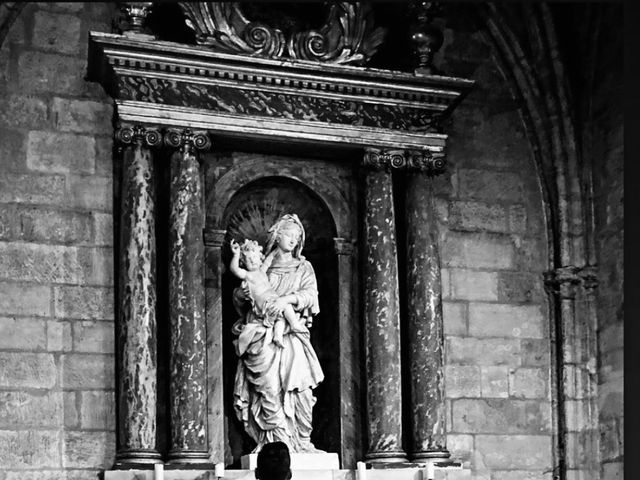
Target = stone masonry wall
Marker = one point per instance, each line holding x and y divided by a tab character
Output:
57	413
608	159
57	407
493	253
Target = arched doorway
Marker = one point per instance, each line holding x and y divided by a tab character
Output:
249	214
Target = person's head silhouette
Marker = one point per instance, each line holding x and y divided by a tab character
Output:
274	462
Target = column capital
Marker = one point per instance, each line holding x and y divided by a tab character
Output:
565	280
129	133
186	139
343	246
433	163
214	238
383	158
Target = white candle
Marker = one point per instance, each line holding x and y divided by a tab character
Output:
219	470
362	470
158	470
429	471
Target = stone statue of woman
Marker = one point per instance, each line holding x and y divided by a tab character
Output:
273	391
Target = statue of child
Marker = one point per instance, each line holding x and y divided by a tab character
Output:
261	293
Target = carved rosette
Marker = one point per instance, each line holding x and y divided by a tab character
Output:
348	35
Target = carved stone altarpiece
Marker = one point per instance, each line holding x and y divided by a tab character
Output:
250	81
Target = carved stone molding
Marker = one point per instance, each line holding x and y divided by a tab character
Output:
185	86
343	246
565	280
186	139
133	134
348	35
214	238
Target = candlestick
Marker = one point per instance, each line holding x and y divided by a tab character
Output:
158	471
362	470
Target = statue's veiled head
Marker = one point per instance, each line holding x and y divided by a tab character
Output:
287	234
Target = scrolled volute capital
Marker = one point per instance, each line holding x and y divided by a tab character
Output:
384	159
186	139
138	135
426	161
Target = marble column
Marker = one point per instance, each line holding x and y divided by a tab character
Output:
188	355
350	336
213	240
136	327
424	311
381	305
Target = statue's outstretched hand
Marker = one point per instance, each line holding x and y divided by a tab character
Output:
235	247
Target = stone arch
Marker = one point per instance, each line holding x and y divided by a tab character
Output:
528	56
9	11
317	219
335	199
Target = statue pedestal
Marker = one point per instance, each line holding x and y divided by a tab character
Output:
299	461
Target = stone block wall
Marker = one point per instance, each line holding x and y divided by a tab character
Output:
493	253
607	158
57	405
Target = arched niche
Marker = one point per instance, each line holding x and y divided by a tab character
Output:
250	211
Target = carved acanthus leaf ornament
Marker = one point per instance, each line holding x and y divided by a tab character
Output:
348	36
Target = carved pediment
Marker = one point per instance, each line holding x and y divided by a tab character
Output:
347	36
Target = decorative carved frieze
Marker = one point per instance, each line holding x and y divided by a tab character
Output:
348	35
262	102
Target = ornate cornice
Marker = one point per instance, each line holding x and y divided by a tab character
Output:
348	35
176	85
